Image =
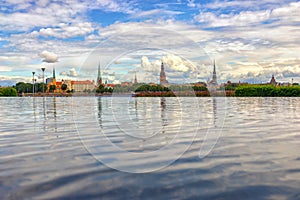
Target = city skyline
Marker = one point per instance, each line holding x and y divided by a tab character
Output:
250	40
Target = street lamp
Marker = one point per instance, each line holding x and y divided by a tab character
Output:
43	69
33	83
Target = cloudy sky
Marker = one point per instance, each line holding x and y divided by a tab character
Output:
249	39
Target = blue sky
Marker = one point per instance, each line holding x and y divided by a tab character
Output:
250	39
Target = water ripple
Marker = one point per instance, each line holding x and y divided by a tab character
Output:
44	156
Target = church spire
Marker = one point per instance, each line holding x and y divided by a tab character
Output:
53	73
163	78
135	79
214	77
214	67
99	79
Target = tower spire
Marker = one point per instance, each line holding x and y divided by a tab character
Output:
135	79
214	66
163	78
53	73
214	77
99	79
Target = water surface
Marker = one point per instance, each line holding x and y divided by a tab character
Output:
85	147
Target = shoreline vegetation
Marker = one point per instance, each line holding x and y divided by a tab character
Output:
146	90
267	91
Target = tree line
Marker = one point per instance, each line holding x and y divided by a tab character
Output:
22	87
8	92
267	91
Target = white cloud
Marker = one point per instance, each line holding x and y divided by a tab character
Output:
176	63
72	73
5	69
49	57
175	67
10	80
286	14
155	12
243	43
66	30
48	14
245	18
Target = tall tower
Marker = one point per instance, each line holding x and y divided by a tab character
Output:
54	79
163	78
99	78
273	81
135	79
214	77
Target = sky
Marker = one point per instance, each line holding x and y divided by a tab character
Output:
249	40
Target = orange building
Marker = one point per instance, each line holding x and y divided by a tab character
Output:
75	86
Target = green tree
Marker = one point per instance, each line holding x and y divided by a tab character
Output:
52	88
199	88
110	90
8	92
64	86
100	89
267	91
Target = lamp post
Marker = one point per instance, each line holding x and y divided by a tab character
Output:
33	83
43	69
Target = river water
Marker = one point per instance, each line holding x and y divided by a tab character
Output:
149	148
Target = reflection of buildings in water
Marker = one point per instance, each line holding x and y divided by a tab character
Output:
163	107
44	113
44	108
34	109
54	112
164	119
135	107
54	108
214	102
34	113
99	102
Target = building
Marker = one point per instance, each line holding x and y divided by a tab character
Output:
82	86
273	81
51	83
75	86
214	81
163	78
125	84
49	80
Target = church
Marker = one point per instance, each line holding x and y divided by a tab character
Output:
213	81
162	77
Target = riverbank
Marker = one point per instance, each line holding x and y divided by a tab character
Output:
218	93
240	91
62	94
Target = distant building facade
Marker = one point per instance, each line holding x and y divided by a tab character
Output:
82	86
75	86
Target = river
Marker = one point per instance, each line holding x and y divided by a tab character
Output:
149	148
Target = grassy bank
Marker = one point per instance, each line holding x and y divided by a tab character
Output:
267	91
